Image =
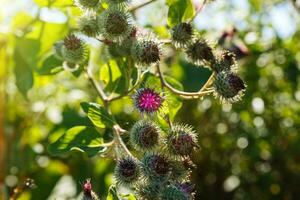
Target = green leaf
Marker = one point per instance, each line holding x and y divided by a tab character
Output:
128	196
98	115
25	59
112	193
82	138
114	75
179	11
48	65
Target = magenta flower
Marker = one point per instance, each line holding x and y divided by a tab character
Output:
147	100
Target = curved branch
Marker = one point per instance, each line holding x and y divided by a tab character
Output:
98	88
134	8
198	10
183	94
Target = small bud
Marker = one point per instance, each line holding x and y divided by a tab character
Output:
181	140
226	62
229	87
200	53
146	51
88	25
144	135
87	4
73	50
115	24
147	100
88	193
127	171
172	192
155	166
182	34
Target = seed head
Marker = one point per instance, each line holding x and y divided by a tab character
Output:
147	100
155	166
182	34
87	5
144	135
115	24
226	62
146	51
73	50
229	87
200	53
88	25
181	140
127	171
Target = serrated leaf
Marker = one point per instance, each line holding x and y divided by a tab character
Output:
112	193
82	138
179	11
98	115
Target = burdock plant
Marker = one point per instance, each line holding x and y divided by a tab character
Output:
158	165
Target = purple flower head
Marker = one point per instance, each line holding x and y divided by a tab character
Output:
147	100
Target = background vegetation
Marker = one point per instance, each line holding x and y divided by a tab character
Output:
249	150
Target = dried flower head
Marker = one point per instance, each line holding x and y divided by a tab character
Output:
200	53
115	24
73	50
226	62
182	34
146	51
88	25
144	135
155	166
181	140
87	5
147	100
229	87
127	171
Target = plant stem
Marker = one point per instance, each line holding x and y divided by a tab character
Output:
182	94
97	87
116	128
139	80
118	140
134	8
198	10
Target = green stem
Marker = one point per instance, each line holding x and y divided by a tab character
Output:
183	94
198	10
134	8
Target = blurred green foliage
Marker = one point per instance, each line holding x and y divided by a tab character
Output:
249	150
